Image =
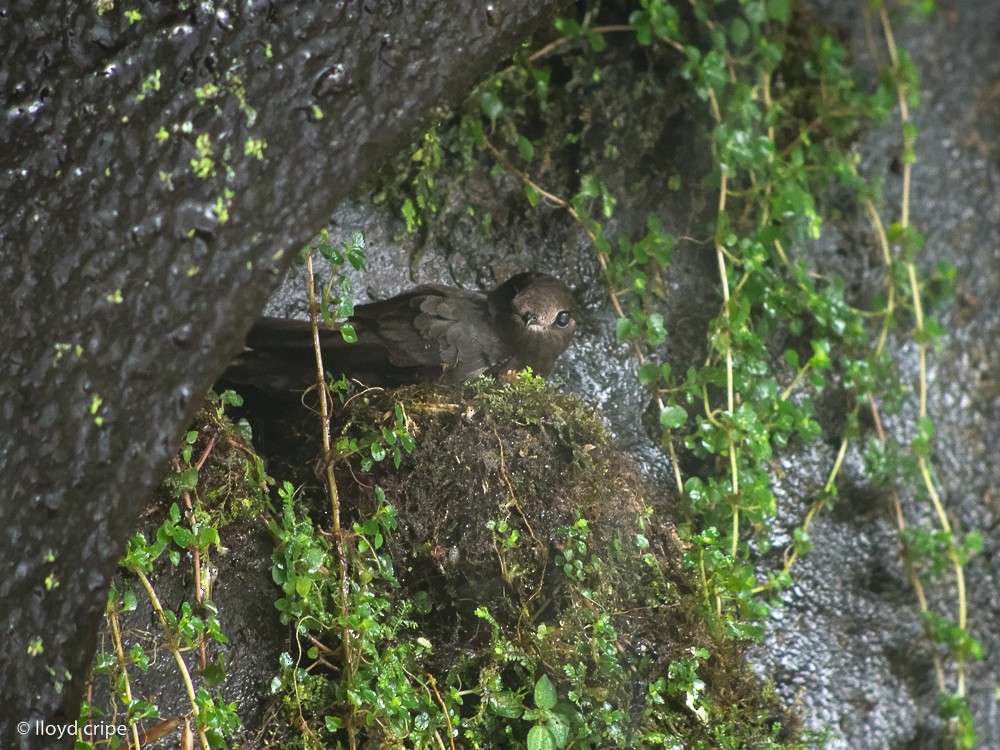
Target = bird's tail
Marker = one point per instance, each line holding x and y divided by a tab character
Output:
279	356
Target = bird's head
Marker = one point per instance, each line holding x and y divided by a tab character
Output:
536	315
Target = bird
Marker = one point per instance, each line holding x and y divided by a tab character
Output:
429	333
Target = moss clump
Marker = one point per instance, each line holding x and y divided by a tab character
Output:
218	463
535	554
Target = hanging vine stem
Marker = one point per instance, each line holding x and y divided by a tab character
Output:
196	562
720	254
921	336
174	648
126	684
334	496
918	587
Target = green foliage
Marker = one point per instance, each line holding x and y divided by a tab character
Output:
336	298
573	559
300	568
955	710
216	479
375	442
553	718
184	630
386	688
785	107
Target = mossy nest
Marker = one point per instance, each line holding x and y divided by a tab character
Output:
531	545
533	581
492	461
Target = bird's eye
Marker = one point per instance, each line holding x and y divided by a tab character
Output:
563	318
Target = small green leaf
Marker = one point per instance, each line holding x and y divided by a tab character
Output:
643	28
182	537
595	40
545	693
779	10
333	723
739	32
525	147
187	480
540	738
214	673
558	727
649	373
656	332
231	398
568	27
673	417
973	542
821	353
625	328
302	586
532	195
491	105
506	705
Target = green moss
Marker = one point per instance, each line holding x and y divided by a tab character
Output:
528	541
221	470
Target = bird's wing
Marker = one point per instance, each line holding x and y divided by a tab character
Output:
436	327
428	333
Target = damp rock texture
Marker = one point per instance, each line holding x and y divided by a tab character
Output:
159	169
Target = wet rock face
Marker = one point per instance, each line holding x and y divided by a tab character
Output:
849	643
161	169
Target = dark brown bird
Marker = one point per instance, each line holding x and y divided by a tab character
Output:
430	333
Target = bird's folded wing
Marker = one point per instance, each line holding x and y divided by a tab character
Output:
436	327
428	333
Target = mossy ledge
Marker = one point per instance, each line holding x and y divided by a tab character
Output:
530	545
513	583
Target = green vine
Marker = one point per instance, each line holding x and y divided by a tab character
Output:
216	479
784	113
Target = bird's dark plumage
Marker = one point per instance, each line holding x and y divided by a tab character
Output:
429	333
